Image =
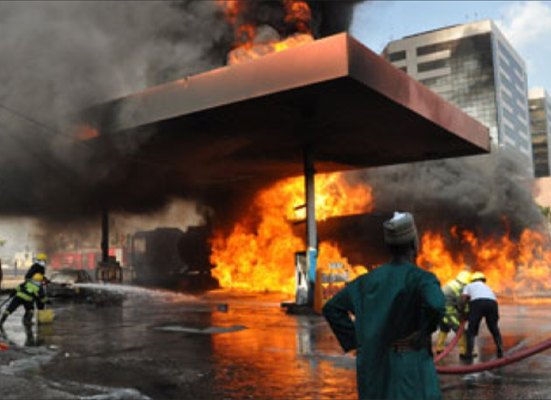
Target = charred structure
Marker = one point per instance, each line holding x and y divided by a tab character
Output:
171	258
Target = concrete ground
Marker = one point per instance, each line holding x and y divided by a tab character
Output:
163	345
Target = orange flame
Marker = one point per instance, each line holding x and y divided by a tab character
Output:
247	44
511	267
232	9
298	13
259	256
85	132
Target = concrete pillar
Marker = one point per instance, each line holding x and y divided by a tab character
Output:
105	235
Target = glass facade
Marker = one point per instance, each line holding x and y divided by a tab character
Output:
512	92
540	124
473	67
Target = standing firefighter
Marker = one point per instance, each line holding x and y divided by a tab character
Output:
452	319
482	304
26	294
397	307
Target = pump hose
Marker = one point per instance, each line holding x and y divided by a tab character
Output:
500	362
452	344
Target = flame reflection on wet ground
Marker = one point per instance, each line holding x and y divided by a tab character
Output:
240	345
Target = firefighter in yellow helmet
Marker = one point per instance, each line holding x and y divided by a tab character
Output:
27	294
482	304
38	267
452	319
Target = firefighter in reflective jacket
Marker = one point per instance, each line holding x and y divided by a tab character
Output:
27	294
452	319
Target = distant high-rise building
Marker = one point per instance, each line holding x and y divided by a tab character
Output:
540	122
474	67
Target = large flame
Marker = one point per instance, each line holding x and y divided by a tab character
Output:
258	255
249	44
85	132
512	267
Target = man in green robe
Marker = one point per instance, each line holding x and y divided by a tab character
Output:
396	307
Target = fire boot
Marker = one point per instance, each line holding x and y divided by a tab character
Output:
499	345
3	319
28	319
468	356
441	342
462	344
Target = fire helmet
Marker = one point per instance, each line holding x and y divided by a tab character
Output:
41	257
478	276
401	230
464	277
37	277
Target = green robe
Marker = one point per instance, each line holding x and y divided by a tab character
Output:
389	304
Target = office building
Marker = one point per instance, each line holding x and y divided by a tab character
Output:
474	67
540	122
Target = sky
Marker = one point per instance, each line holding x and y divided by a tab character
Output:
527	25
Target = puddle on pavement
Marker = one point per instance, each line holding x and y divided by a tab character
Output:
251	349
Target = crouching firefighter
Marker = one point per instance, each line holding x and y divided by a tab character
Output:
27	294
482	304
454	312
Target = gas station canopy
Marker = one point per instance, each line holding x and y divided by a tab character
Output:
345	103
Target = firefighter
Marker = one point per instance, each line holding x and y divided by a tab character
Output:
482	304
38	267
27	294
396	307
453	291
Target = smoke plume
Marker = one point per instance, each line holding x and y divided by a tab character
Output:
60	57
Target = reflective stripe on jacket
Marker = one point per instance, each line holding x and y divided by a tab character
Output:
452	292
31	291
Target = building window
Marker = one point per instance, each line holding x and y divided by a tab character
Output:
429	81
397	56
433	48
430	65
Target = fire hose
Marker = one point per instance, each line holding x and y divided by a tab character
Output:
488	365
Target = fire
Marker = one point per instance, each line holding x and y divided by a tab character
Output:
253	41
298	13
259	253
512	267
232	9
86	132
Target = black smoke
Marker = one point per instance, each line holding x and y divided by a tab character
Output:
488	195
61	57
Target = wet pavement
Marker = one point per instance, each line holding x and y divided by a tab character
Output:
165	345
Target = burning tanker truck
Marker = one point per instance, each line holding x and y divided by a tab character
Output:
173	259
473	213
